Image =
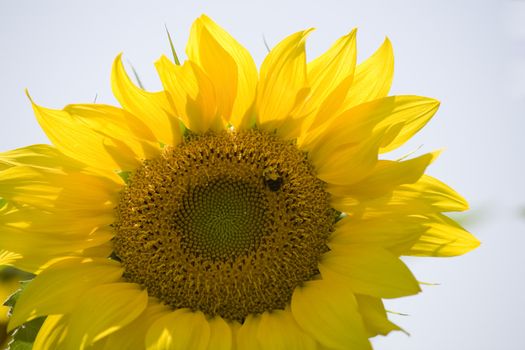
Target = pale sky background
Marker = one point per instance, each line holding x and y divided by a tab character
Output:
468	54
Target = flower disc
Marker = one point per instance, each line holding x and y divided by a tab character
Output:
226	223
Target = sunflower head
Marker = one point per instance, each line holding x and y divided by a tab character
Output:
235	209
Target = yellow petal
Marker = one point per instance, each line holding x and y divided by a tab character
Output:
39	235
369	270
103	250
279	331
247	333
179	330
191	94
409	115
34	250
178	81
221	336
235	326
132	336
38	156
395	119
427	195
395	232
335	65
329	72
27	220
348	165
103	310
443	238
8	258
386	176
434	192
101	136
229	66
374	316
39	175
153	109
42	297
373	77
283	84
54	190
328	311
51	334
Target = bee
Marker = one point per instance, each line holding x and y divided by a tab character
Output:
272	178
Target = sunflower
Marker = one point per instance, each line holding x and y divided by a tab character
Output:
234	209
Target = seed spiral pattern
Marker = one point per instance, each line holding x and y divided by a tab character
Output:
226	223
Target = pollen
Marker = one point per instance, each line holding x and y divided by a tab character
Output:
225	223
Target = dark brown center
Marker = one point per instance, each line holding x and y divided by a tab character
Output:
228	223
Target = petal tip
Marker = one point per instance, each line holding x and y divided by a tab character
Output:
26	91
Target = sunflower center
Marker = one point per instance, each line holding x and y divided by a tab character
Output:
220	219
226	223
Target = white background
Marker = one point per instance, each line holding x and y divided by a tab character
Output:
468	54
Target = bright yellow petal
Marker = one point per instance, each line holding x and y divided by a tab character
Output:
30	221
38	235
394	119
444	238
396	233
410	114
8	258
132	336
386	176
373	77
235	326
34	250
179	330
102	250
153	108
101	136
283	84
178	81
54	179
103	310
191	94
434	192
229	66
279	331
221	335
247	333
327	74
369	270
54	190
43	297
52	333
348	165
328	70
374	316
38	156
427	195
328	311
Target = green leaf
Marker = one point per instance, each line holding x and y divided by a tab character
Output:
8	273
11	301
25	335
124	175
